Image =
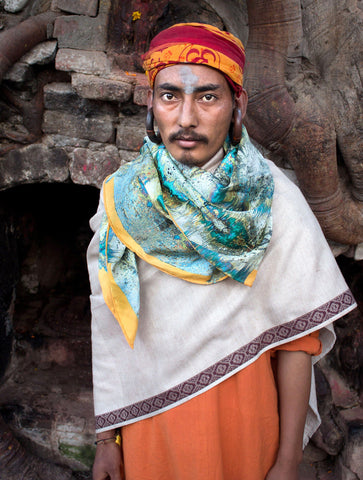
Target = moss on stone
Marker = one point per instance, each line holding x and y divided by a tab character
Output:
83	454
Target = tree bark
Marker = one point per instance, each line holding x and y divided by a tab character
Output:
17	464
300	128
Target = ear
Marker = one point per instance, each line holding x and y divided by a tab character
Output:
150	96
242	101
239	111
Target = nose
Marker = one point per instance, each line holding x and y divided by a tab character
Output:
188	117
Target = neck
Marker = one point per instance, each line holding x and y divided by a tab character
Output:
213	163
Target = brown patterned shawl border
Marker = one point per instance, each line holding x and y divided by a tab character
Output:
225	366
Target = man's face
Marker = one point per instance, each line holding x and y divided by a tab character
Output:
193	108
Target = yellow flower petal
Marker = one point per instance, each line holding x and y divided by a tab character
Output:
136	15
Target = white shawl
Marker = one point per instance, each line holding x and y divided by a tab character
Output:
192	337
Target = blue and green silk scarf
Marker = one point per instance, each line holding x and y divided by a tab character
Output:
186	221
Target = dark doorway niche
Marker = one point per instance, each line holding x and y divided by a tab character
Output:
45	360
50	226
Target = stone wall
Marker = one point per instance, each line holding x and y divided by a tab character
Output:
93	119
94	110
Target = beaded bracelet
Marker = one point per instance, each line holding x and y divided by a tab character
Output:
104	440
116	439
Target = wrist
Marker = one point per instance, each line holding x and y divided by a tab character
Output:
106	434
109	436
290	451
289	457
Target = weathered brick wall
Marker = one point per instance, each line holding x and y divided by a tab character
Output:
93	121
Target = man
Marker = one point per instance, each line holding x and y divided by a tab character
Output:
215	286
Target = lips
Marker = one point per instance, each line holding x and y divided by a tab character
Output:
186	142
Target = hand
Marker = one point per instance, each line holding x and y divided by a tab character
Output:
108	463
283	471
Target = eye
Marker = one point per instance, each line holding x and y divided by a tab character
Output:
208	97
167	96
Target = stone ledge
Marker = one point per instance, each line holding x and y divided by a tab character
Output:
99	129
14	6
91	168
34	163
103	6
83	61
63	97
82	7
97	88
81	32
41	54
64	142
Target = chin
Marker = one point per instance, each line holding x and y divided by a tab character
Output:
183	157
190	161
188	158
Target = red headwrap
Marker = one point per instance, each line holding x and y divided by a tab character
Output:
196	43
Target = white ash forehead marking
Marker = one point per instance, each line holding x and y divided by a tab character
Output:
189	79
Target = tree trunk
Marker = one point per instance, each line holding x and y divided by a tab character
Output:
297	119
16	463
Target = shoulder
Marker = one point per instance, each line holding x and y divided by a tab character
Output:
293	219
286	179
287	193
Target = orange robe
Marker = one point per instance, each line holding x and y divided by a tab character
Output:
230	432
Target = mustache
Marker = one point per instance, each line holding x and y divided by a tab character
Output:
187	135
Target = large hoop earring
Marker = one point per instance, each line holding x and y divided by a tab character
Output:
156	138
236	127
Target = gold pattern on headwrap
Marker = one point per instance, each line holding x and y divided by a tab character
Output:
227	55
